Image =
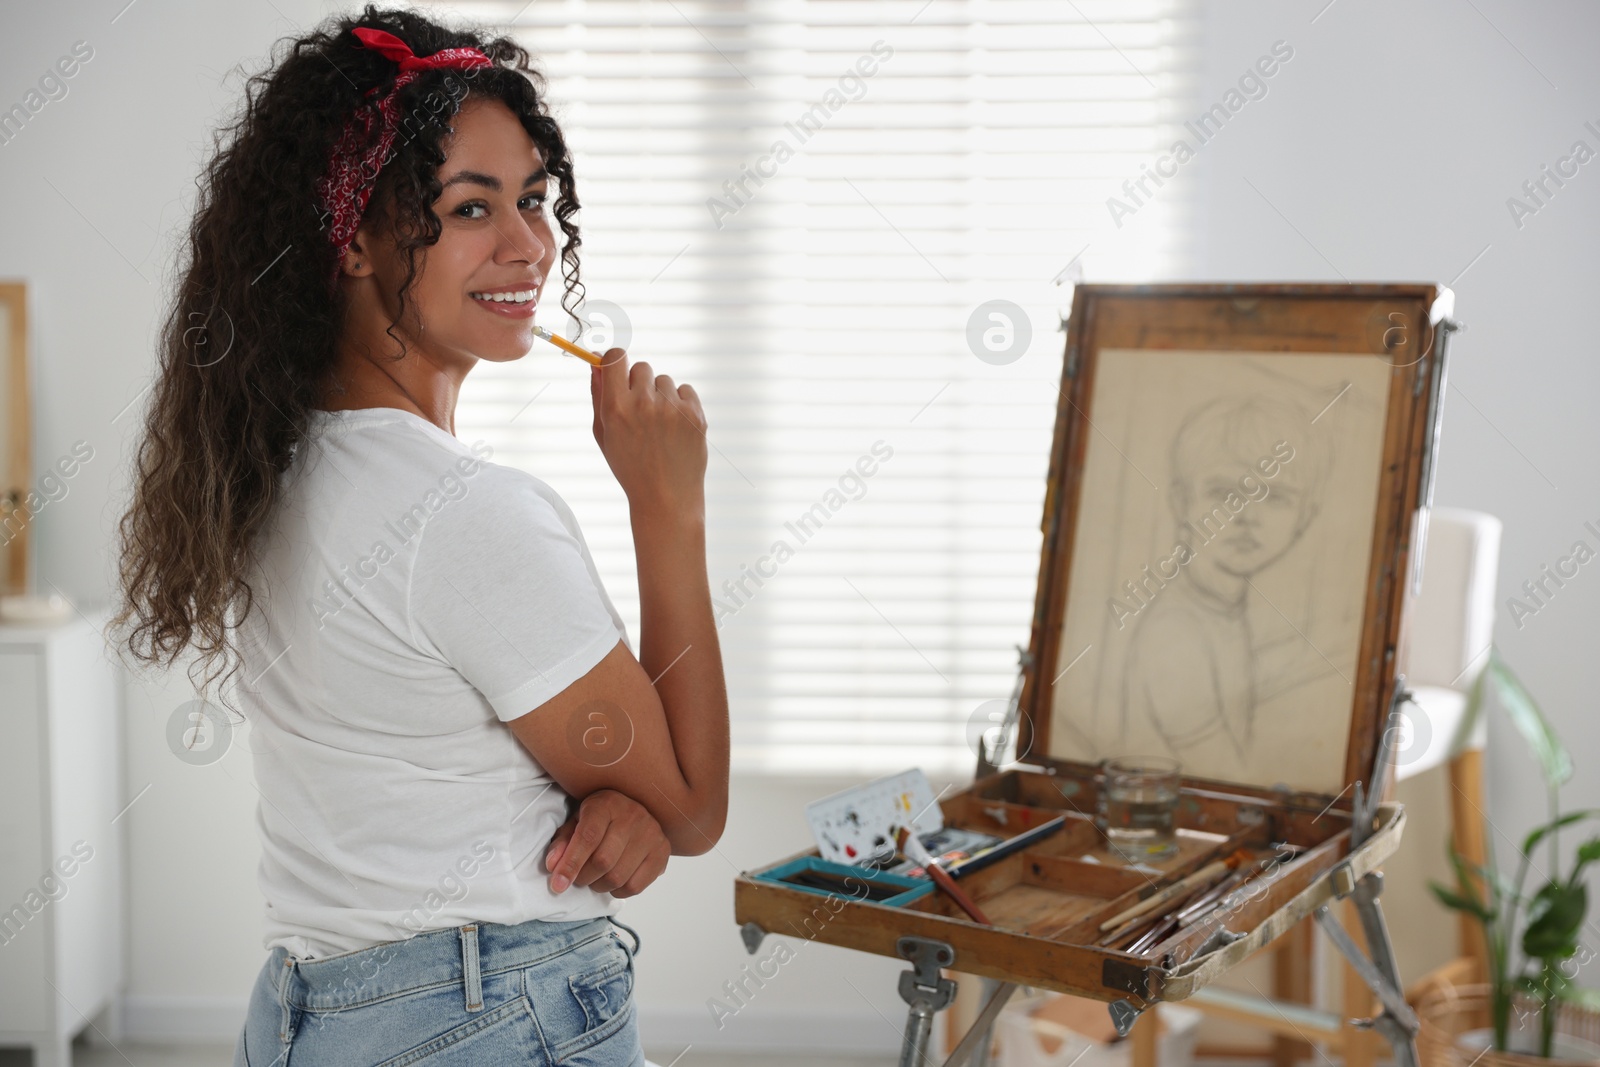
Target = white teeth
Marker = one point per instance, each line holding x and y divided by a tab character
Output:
521	297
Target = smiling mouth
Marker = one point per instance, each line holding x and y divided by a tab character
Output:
516	299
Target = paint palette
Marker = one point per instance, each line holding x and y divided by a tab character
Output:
856	826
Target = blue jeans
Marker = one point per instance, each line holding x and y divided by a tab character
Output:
536	993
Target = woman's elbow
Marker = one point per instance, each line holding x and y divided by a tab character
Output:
699	834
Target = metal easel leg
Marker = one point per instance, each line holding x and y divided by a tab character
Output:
926	991
1397	1022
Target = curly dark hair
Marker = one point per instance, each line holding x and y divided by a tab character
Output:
251	335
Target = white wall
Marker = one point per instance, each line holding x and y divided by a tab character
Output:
1387	149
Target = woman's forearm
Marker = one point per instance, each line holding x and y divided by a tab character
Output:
679	650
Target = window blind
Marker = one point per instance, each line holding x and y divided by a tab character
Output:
805	209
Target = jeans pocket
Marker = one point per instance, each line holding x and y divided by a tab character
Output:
603	991
505	1034
583	996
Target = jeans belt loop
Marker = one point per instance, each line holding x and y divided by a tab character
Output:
472	978
631	933
285	976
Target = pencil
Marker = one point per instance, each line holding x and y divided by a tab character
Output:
592	358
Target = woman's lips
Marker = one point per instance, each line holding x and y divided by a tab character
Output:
506	309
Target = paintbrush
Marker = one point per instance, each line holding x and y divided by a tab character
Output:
1211	896
1199	914
906	841
1183	887
1144	922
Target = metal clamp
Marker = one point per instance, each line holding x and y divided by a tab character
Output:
1364	804
1434	420
989	758
1343	880
1123	1015
925	990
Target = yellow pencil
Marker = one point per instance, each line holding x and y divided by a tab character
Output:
584	354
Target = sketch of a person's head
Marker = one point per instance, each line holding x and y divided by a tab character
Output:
1247	479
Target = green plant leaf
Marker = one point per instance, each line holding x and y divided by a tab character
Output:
1547	982
1554	917
1460	903
1554	762
1530	984
1473	711
1587	853
1469	890
1501	882
1539	833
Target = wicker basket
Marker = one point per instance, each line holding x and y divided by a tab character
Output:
1447	1012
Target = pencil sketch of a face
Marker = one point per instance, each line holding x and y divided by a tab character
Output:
1220	566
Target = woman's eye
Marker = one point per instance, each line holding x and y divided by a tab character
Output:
537	204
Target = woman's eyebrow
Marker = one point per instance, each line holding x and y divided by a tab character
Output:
489	181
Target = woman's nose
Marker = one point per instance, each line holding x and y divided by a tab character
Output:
521	241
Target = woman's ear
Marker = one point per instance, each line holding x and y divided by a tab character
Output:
357	262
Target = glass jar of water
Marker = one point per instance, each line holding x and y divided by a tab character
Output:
1139	804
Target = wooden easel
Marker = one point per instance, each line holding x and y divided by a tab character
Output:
1047	902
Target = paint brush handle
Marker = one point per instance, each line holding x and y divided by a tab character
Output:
1205	912
964	902
906	840
1182	887
1204	901
1179	904
1161	896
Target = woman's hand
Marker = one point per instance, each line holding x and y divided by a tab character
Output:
652	433
612	845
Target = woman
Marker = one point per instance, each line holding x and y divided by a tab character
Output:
426	656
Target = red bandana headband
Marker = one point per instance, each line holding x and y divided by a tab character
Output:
361	151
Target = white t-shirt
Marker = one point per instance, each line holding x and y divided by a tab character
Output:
411	599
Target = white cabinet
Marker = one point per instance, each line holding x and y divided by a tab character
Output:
61	795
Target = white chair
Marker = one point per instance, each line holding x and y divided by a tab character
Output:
1449	628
